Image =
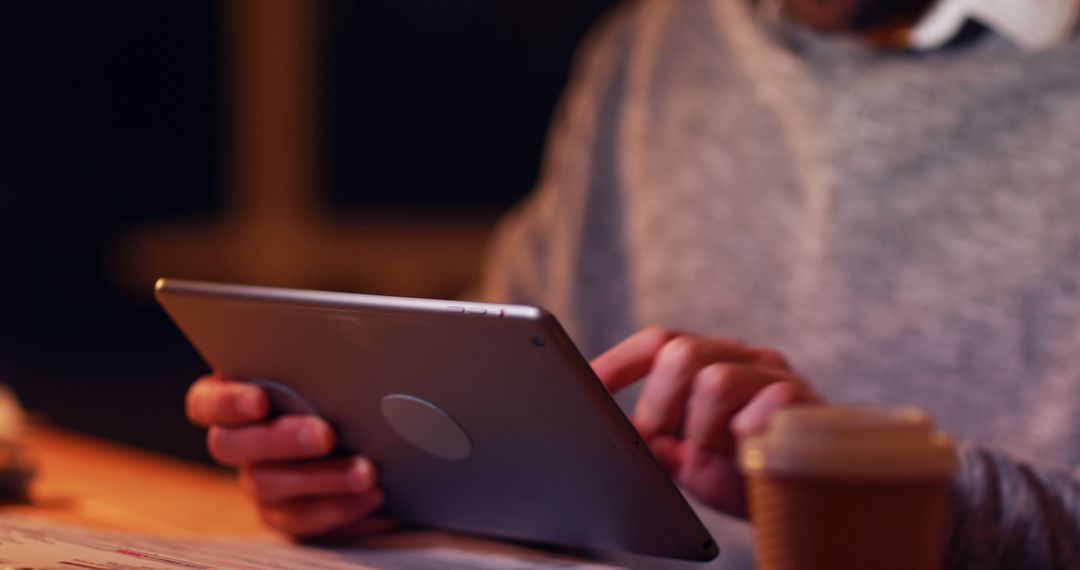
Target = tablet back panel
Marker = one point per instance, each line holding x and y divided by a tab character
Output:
549	458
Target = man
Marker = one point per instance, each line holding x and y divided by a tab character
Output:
903	223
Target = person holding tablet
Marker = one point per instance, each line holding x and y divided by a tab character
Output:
733	388
883	188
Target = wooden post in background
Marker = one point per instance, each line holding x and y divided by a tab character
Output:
273	137
275	230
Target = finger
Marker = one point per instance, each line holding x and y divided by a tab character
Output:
666	451
314	516
769	357
709	476
631	359
277	482
754	417
280	439
366	526
719	392
662	404
213	401
713	478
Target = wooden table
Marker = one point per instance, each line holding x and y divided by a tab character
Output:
94	482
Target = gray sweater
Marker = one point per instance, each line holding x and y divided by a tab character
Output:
906	227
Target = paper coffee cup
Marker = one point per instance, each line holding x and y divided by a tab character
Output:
848	488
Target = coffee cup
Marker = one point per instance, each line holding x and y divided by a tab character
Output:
843	488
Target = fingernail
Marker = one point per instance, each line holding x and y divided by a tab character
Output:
360	475
313	439
249	404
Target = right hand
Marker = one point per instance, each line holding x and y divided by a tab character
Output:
701	397
284	461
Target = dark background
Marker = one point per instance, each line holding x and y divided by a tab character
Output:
114	115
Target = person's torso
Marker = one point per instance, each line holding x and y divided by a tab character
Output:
905	227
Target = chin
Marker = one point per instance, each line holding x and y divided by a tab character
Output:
841	15
827	15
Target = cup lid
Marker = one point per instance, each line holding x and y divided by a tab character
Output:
844	441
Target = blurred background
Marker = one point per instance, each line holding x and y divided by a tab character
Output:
351	145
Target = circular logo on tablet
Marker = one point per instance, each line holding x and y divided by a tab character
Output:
426	426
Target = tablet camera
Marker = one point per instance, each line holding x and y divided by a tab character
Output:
538	342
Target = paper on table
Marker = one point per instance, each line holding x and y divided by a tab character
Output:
27	543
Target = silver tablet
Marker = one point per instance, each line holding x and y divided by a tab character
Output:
481	418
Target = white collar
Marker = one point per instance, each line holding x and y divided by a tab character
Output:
1031	24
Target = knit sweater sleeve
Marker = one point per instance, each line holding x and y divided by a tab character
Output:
1011	514
562	247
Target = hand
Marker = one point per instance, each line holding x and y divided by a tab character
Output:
702	395
284	461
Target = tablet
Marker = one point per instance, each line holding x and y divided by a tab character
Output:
481	418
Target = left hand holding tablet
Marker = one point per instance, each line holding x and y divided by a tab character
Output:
285	461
